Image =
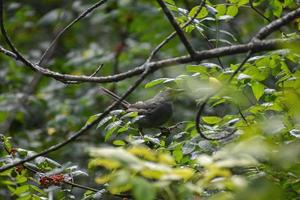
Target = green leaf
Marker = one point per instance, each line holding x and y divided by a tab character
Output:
222	100
124	128
6	142
211	119
242	2
203	67
119	142
155	82
221	8
288	3
117	112
232	11
113	125
21	190
177	153
121	182
203	13
21	179
3	116
111	128
38	189
276	7
104	120
109	133
170	2
130	115
188	148
258	89
196	68
92	118
211	9
143	190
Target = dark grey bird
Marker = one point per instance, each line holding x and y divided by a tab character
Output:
153	112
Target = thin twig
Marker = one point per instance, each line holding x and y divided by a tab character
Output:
82	15
258	12
210	45
86	127
172	35
81	186
97	70
263	16
177	28
248	56
242	115
30	88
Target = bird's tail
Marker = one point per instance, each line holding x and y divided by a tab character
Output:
114	96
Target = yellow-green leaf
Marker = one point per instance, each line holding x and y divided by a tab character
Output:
232	11
258	89
211	119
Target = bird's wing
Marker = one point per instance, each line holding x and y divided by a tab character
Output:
124	103
143	107
138	107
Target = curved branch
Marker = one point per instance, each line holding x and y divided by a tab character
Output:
254	46
197	123
260	46
201	109
275	25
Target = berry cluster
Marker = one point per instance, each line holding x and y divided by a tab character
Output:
46	181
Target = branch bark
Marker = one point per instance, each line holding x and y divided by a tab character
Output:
266	45
177	28
254	46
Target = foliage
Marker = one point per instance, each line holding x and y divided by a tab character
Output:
259	108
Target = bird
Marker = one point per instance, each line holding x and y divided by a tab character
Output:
154	112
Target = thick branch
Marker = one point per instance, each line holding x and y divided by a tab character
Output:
213	53
265	45
275	25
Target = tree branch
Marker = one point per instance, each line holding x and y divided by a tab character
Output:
82	15
275	25
265	45
32	85
254	46
177	28
172	35
86	127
